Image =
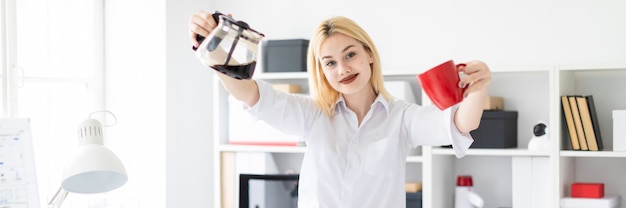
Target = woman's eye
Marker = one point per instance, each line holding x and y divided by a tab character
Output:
330	63
350	55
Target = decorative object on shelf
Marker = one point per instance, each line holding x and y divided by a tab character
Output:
587	190
287	55
464	196
441	84
497	129
619	130
540	140
231	48
94	169
494	103
585	194
288	88
413	186
414	199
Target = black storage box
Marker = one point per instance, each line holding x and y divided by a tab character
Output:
498	129
413	199
285	55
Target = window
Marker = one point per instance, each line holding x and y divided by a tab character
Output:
52	62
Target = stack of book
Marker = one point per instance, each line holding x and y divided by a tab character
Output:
581	121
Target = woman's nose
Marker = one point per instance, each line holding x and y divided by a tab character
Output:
344	68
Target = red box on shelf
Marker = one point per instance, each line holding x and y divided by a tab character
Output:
587	190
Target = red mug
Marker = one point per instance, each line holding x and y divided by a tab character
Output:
441	84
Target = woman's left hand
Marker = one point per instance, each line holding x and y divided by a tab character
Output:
467	117
478	76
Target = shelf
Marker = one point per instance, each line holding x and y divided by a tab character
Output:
525	152
400	73
262	148
521	68
414	159
492	152
572	153
439	166
281	75
619	66
287	149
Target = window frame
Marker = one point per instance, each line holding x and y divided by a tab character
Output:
12	77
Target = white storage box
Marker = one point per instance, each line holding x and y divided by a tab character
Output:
619	130
606	202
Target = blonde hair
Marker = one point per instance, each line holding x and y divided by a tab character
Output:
323	93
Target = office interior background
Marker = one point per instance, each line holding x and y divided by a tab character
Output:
65	59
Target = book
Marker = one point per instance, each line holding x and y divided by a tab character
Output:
585	118
578	123
569	121
594	121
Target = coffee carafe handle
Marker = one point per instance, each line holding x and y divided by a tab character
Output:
216	16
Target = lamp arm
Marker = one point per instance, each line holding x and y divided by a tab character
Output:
58	198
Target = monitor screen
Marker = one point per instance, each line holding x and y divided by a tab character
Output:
268	190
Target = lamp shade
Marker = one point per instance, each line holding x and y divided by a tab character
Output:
95	168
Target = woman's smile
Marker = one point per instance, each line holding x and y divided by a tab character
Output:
349	79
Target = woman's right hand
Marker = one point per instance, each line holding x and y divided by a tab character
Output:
201	23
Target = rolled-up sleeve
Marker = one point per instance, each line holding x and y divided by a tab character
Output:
431	126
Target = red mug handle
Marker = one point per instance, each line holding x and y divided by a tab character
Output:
457	68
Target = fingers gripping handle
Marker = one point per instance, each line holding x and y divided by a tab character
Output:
216	16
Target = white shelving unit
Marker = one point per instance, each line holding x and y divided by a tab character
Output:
531	91
606	84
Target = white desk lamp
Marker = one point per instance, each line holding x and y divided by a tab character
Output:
94	169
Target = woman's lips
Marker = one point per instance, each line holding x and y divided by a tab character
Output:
348	79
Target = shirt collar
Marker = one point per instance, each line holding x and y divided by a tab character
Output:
379	101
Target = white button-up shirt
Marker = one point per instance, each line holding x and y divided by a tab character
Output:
347	165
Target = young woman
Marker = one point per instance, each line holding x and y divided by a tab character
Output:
357	135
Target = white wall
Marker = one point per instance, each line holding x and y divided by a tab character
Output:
135	91
189	113
415	35
161	94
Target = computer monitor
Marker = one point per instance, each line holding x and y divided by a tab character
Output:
268	190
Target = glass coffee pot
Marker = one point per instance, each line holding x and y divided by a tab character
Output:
231	48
